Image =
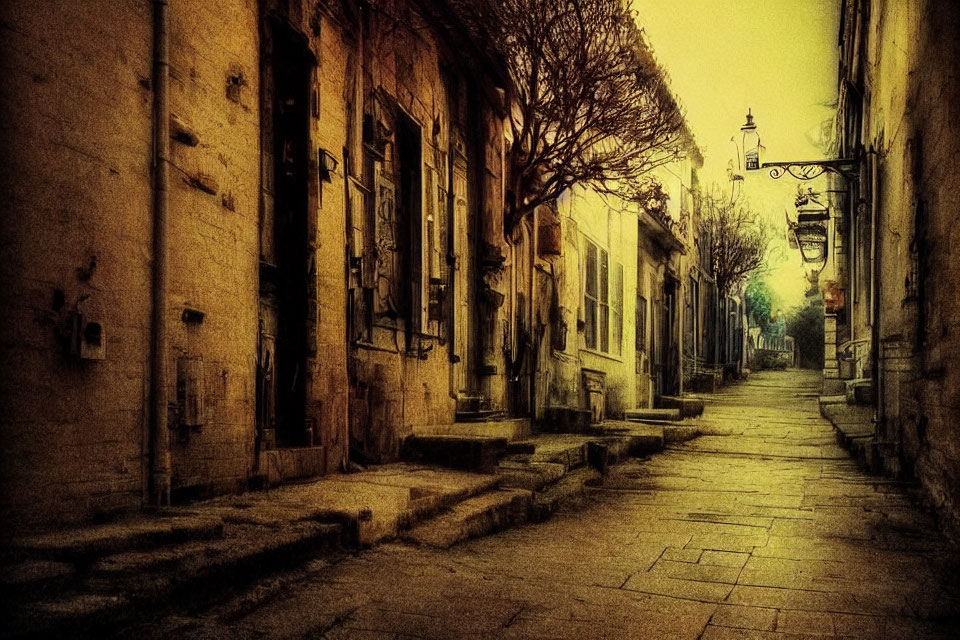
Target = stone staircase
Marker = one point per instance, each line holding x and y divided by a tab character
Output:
95	579
854	429
534	476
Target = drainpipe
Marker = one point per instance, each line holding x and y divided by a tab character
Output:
159	433
534	348
875	284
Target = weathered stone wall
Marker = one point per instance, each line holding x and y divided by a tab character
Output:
76	236
213	238
327	396
403	373
78	133
914	84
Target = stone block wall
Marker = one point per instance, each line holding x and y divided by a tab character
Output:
76	237
213	231
911	119
78	148
934	93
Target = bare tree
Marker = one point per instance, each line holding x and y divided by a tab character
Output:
589	103
736	238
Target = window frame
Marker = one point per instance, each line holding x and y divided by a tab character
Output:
602	301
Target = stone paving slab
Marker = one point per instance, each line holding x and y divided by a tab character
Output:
761	528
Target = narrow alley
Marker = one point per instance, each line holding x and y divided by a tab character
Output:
480	319
761	528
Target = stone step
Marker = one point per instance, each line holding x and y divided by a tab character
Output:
509	428
114	588
643	438
825	399
86	614
645	445
477	516
426	503
566	420
571	486
606	451
142	532
859	391
478	415
570	451
469	453
679	433
688	407
532	476
34	579
243	553
672	415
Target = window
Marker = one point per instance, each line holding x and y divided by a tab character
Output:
590	302
641	323
617	311
604	286
597	311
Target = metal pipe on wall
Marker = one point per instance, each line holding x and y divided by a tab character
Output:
160	464
534	348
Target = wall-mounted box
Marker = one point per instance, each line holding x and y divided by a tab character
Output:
87	339
191	391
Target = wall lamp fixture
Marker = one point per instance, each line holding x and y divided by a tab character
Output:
799	169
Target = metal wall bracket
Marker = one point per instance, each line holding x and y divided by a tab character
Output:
810	169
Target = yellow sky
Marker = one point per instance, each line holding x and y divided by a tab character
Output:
778	57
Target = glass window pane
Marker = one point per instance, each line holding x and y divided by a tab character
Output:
641	338
605	328
591	271
617	333
618	311
604	277
618	290
590	324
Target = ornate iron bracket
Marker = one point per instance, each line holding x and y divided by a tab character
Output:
810	169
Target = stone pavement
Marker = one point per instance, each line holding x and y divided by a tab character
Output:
762	528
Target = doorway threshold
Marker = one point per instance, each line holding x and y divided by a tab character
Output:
297	463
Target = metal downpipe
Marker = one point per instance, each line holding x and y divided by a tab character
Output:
160	464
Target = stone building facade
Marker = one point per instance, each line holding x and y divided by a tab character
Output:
79	253
633	298
898	294
334	179
250	241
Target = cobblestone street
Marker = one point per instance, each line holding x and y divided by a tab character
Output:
761	528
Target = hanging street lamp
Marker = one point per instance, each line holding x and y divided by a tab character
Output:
810	231
812	238
799	169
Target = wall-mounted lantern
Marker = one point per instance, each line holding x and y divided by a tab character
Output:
751	143
812	211
327	165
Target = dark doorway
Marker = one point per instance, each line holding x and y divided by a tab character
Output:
284	268
410	225
670	370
